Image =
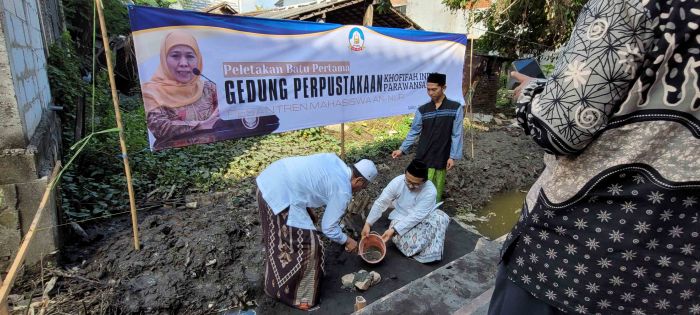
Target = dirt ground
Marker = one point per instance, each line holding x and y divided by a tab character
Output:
209	259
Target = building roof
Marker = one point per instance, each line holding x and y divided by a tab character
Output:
221	8
201	5
284	3
337	11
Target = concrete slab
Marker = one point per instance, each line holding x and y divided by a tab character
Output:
478	306
46	238
17	166
446	289
9	217
9	244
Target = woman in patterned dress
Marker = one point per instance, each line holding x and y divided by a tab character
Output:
611	226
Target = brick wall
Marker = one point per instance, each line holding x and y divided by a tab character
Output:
486	77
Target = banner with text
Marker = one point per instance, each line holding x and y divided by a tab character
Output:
207	77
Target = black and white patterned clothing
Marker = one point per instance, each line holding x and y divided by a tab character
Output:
612	224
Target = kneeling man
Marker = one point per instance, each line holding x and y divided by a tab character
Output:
417	226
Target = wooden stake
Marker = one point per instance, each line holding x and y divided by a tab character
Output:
471	81
471	96
342	141
117	112
368	19
4	309
22	252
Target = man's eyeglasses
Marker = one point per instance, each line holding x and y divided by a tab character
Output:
411	185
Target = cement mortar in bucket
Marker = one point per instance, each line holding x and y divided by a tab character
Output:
372	248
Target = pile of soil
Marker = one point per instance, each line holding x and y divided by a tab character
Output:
504	160
209	259
191	261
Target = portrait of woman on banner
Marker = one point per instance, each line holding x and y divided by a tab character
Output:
182	108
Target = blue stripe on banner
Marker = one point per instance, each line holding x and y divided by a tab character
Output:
143	18
420	36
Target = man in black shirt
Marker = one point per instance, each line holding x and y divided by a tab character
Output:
439	125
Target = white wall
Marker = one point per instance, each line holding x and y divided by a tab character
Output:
27	61
434	16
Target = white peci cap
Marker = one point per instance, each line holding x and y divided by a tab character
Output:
367	169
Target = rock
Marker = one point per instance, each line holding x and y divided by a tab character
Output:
375	277
49	286
364	284
348	280
498	121
14	298
483	118
361	275
80	232
363	280
191	205
502	116
336	128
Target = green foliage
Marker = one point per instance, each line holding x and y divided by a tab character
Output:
67	87
79	21
97	187
547	69
156	3
518	27
383	6
504	98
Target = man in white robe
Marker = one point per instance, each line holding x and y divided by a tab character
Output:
417	225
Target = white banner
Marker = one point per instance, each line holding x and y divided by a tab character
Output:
209	77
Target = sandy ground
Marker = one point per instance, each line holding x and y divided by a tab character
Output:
209	259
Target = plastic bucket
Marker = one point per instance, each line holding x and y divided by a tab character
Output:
372	248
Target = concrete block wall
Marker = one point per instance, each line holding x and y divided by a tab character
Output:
30	133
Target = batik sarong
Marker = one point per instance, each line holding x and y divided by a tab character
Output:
293	259
425	241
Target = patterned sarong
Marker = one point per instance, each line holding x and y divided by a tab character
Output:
425	241
293	259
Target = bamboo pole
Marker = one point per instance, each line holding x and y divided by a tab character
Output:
342	141
4	309
471	80
22	252
117	112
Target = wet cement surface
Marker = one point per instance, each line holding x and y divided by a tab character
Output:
396	271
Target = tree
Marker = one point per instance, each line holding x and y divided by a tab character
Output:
517	27
156	3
